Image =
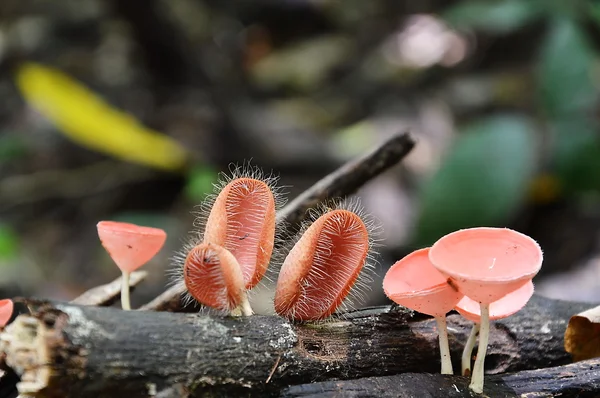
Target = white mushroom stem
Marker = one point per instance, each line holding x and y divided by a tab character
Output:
484	336
444	347
244	308
125	303
468	351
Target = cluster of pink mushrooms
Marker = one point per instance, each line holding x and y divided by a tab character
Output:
483	273
231	253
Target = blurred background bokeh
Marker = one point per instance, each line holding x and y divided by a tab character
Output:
128	109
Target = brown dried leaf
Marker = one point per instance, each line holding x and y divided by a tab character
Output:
582	337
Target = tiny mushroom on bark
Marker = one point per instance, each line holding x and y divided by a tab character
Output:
415	283
130	246
486	264
503	308
6	310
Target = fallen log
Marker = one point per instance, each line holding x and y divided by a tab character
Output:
581	379
66	350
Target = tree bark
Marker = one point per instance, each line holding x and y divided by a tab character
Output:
65	350
580	379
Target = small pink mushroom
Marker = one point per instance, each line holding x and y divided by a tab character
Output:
6	310
503	308
130	246
486	264
415	283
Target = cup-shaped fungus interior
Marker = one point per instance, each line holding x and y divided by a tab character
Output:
322	267
242	220
487	263
502	308
6	310
415	283
213	277
129	245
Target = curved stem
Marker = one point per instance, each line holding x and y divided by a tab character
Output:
444	348
468	351
125	303
484	336
244	309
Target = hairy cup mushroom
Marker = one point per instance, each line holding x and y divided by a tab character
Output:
238	218
416	284
486	264
242	220
503	308
214	278
323	266
130	246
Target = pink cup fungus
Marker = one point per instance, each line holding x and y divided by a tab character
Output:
6	311
213	277
486	264
503	308
323	266
416	284
130	246
242	220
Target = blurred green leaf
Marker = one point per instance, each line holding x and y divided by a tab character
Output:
594	12
11	147
493	16
200	183
576	155
565	74
482	181
9	243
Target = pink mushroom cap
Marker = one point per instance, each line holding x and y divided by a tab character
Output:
129	245
487	263
6	310
416	284
505	307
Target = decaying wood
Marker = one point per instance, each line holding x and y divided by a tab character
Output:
342	182
67	350
109	293
580	379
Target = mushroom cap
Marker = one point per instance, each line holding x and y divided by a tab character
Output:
242	220
487	263
322	267
415	283
129	245
505	307
6	310
213	276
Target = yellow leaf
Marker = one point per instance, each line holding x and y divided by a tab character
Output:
91	122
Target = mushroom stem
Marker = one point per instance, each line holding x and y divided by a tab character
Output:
244	309
125	303
484	335
444	348
468	351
